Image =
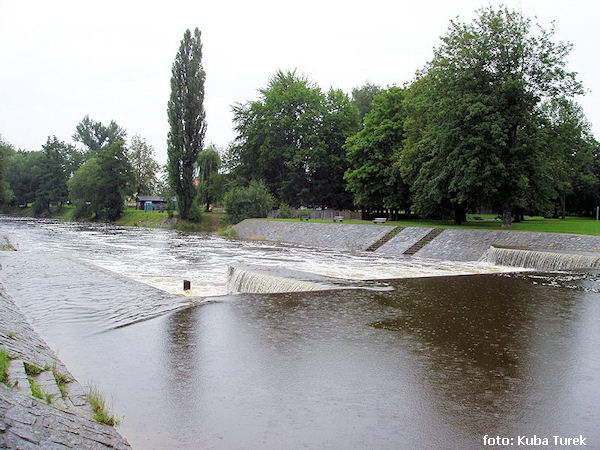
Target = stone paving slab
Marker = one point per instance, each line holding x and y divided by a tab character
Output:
47	383
17	376
26	422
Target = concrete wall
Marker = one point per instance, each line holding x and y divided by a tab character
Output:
451	244
347	237
403	240
470	245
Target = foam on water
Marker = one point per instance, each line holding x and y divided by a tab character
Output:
541	260
162	259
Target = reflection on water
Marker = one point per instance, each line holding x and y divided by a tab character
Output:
433	363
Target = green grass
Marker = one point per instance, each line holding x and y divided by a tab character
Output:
4	363
132	217
152	219
575	225
228	232
101	413
37	391
10	335
33	370
61	381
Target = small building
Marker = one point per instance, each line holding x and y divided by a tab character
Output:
150	203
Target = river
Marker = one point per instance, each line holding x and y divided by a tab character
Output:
438	358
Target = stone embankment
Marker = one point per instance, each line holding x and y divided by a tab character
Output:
63	417
449	244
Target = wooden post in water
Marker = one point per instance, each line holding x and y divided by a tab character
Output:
187	285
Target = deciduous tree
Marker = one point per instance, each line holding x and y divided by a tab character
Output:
372	151
480	139
95	135
292	138
145	168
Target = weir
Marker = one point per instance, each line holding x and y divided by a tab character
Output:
541	260
256	279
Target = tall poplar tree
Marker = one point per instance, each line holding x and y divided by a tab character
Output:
186	119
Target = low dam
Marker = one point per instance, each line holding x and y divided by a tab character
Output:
447	244
383	351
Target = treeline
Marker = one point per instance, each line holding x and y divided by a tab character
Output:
488	123
96	178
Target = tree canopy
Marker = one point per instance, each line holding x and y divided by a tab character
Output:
95	135
144	166
292	138
372	151
186	119
473	125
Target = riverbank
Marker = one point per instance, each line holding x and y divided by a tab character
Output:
490	222
209	222
63	416
450	244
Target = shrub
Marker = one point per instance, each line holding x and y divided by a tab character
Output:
285	212
248	202
195	212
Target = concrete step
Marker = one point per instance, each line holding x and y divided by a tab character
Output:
423	241
385	238
77	401
17	376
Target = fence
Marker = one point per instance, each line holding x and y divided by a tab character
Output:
323	214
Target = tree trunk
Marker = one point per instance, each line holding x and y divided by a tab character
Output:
563	204
460	214
506	216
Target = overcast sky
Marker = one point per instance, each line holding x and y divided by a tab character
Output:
112	60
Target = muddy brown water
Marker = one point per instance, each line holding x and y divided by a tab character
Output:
435	362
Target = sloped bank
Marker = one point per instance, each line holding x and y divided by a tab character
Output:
449	244
63	418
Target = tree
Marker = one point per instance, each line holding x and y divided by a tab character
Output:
478	141
95	135
209	180
363	98
371	154
6	150
569	138
329	162
54	174
23	174
292	137
145	167
186	119
83	189
99	187
242	203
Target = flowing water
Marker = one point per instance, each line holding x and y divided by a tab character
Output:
541	260
422	362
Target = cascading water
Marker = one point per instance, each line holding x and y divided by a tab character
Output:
260	280
541	260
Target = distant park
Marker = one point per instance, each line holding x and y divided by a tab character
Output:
488	134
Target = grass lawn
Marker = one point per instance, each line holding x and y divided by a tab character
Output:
575	225
132	217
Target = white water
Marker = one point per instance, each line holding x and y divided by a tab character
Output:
164	258
540	260
257	282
